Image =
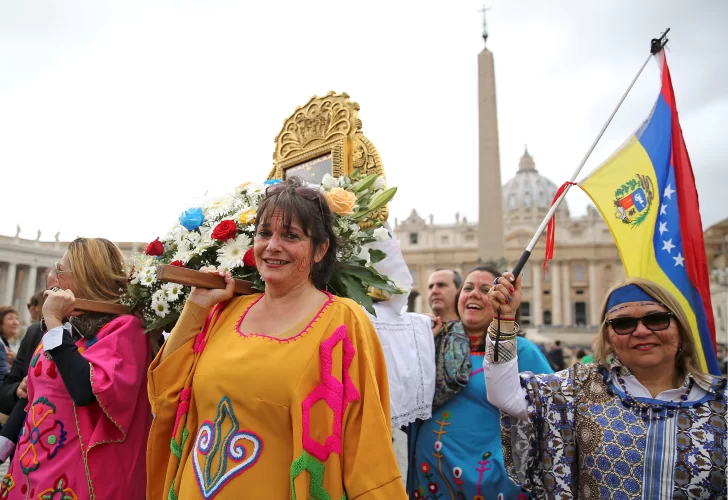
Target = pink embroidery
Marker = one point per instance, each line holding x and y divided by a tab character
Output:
200	341
289	339
182	408
336	395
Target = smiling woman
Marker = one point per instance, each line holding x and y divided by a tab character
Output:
284	393
445	454
630	422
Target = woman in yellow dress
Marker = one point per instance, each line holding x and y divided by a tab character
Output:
276	395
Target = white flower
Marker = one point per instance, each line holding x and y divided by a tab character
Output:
160	306
381	234
147	278
354	227
253	189
329	181
172	291
378	184
177	234
193	238
230	255
218	202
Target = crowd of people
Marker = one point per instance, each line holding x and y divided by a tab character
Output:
284	394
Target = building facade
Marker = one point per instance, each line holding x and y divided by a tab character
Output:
571	290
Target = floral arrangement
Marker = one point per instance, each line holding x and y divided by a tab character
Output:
220	233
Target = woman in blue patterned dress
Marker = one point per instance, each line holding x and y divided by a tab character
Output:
643	422
456	454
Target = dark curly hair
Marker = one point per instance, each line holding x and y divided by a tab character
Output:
296	200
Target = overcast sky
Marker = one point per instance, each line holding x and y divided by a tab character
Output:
115	117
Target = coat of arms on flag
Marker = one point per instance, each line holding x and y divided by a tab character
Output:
633	200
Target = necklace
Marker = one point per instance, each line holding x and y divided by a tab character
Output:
654	411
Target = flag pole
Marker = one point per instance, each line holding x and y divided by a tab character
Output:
656	45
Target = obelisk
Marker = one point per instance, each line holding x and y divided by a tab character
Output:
491	242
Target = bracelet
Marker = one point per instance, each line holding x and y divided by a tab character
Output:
493	330
504	318
493	335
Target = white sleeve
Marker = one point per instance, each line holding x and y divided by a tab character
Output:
54	337
504	388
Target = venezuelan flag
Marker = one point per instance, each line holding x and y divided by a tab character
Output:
646	193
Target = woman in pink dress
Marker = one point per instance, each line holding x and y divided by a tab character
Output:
87	416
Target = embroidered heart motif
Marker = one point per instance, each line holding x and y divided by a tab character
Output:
211	484
216	448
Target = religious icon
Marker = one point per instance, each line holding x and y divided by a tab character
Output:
313	170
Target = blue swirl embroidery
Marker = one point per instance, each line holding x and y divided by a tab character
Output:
216	449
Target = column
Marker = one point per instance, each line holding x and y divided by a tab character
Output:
594	299
30	284
10	284
566	296
555	272
537	310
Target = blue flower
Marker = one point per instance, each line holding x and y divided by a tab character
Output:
192	218
270	182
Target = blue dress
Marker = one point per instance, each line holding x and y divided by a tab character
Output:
457	454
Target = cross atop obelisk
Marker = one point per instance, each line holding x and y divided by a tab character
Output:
485	23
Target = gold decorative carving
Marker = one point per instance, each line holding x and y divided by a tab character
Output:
323	126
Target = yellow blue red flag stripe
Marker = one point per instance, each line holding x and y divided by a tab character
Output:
646	193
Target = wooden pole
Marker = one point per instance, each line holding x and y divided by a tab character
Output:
83	305
190	277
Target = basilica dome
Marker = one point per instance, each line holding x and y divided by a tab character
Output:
528	195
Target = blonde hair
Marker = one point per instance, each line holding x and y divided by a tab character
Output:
99	271
686	360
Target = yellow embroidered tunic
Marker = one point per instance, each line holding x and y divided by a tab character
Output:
241	416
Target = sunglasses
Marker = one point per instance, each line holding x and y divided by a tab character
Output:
655	322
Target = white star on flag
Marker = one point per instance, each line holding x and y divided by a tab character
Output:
663	209
663	227
668	192
667	245
679	260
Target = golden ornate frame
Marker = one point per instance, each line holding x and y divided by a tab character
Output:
326	124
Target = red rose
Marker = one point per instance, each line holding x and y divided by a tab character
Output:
156	247
249	258
225	230
177	263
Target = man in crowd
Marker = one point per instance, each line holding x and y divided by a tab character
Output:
442	292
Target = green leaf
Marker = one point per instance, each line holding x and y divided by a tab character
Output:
376	255
369	277
357	291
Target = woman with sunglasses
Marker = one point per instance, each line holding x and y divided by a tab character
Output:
275	395
81	433
644	421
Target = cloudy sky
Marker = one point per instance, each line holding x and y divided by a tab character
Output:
116	116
